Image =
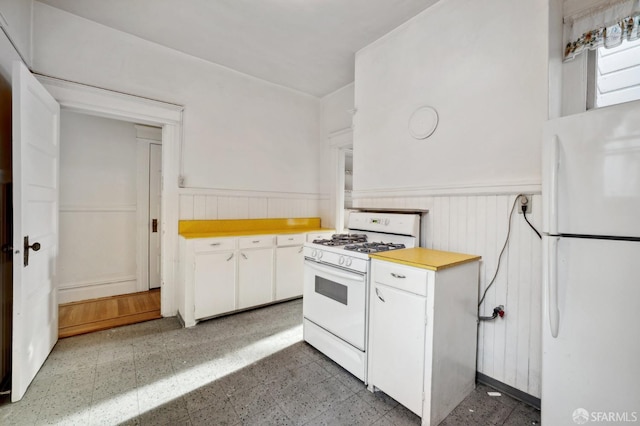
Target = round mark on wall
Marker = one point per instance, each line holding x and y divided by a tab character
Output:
423	122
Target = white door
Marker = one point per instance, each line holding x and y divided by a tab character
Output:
592	362
334	299
289	272
214	284
396	358
255	277
591	173
36	118
155	194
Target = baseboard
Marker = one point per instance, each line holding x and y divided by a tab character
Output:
509	390
95	291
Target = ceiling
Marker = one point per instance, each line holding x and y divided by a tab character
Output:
306	45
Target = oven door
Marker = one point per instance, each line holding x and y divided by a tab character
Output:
335	299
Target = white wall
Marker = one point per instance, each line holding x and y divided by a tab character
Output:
336	114
337	110
98	201
242	136
15	12
18	16
483	67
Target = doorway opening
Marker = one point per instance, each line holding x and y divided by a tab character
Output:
110	174
110	197
344	186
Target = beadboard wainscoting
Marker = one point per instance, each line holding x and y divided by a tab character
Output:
209	204
509	349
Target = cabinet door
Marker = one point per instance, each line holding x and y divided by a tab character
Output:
289	272
215	283
397	334
255	277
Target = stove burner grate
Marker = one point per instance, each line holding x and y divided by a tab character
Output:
342	239
374	247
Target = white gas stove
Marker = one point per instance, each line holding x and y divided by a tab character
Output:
336	286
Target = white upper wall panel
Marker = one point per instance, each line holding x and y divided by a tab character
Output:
240	133
304	45
17	14
483	67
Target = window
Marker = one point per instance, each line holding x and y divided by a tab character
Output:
614	74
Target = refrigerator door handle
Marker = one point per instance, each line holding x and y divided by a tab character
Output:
553	183
552	282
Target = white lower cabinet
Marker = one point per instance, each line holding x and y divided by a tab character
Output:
289	266
226	274
319	236
289	272
397	344
255	277
214	283
422	335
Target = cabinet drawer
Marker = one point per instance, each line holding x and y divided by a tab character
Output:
214	244
290	240
256	242
402	277
319	236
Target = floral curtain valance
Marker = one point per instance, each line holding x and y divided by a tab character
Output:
604	26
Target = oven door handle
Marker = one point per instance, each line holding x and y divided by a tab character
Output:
336	272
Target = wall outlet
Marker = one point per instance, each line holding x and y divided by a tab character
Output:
525	200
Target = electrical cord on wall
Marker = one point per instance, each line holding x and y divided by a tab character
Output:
506	242
504	247
524	215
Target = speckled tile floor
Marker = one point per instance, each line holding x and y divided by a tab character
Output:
251	368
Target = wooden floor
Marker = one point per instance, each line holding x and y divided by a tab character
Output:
108	312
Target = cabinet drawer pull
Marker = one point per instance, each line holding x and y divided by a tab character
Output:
244	255
214	244
230	257
378	294
394	275
290	239
300	251
255	241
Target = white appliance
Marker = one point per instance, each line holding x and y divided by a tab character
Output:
591	261
336	284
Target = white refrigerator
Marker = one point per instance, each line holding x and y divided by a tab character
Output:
591	261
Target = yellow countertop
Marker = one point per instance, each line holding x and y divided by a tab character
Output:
419	257
241	227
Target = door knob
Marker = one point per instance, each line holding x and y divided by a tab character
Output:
25	255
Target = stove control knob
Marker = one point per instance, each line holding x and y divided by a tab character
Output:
341	260
386	221
320	253
314	253
349	261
